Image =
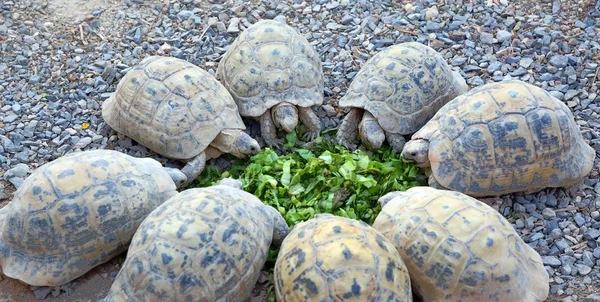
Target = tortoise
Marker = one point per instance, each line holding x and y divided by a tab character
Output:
179	111
204	244
501	138
395	93
333	258
457	248
275	76
77	212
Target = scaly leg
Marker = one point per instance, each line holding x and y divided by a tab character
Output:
310	119
348	130
268	131
396	141
193	168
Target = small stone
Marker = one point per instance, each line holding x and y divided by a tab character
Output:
559	61
551	261
82	143
19	170
592	234
431	13
41	292
526	62
503	35
486	38
185	14
583	269
234	25
548	213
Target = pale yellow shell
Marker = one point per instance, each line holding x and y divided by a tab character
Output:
506	137
332	258
457	248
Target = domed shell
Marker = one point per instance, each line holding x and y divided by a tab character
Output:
403	86
332	258
77	212
506	137
457	248
268	63
205	244
171	106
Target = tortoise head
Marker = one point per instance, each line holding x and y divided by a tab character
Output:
230	182
280	227
285	116
417	150
237	142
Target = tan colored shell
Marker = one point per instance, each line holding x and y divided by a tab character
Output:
457	248
506	137
268	63
332	258
403	86
205	244
171	106
77	212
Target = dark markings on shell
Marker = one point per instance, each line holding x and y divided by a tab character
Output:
128	183
100	163
309	284
424	249
183	228
431	234
36	190
381	242
389	271
186	282
300	257
166	259
104	209
347	253
456	255
354	290
231	229
65	173
441	273
490	242
391	66
269	30
415	218
151	91
337	229
413	252
503	279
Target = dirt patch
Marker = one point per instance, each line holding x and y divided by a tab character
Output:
76	11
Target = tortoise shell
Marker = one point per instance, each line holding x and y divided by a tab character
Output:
205	244
332	258
171	106
77	212
403	86
270	63
457	248
506	137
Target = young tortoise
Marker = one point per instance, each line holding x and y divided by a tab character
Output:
395	93
502	138
332	258
275	75
457	248
77	212
180	111
204	244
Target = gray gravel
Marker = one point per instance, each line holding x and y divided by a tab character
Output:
52	84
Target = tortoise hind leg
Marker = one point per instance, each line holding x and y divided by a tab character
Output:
193	168
310	119
348	130
396	141
268	131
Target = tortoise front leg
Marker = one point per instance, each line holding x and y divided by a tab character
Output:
268	131
310	119
434	183
348	130
193	168
396	141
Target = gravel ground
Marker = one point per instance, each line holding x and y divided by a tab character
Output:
61	59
